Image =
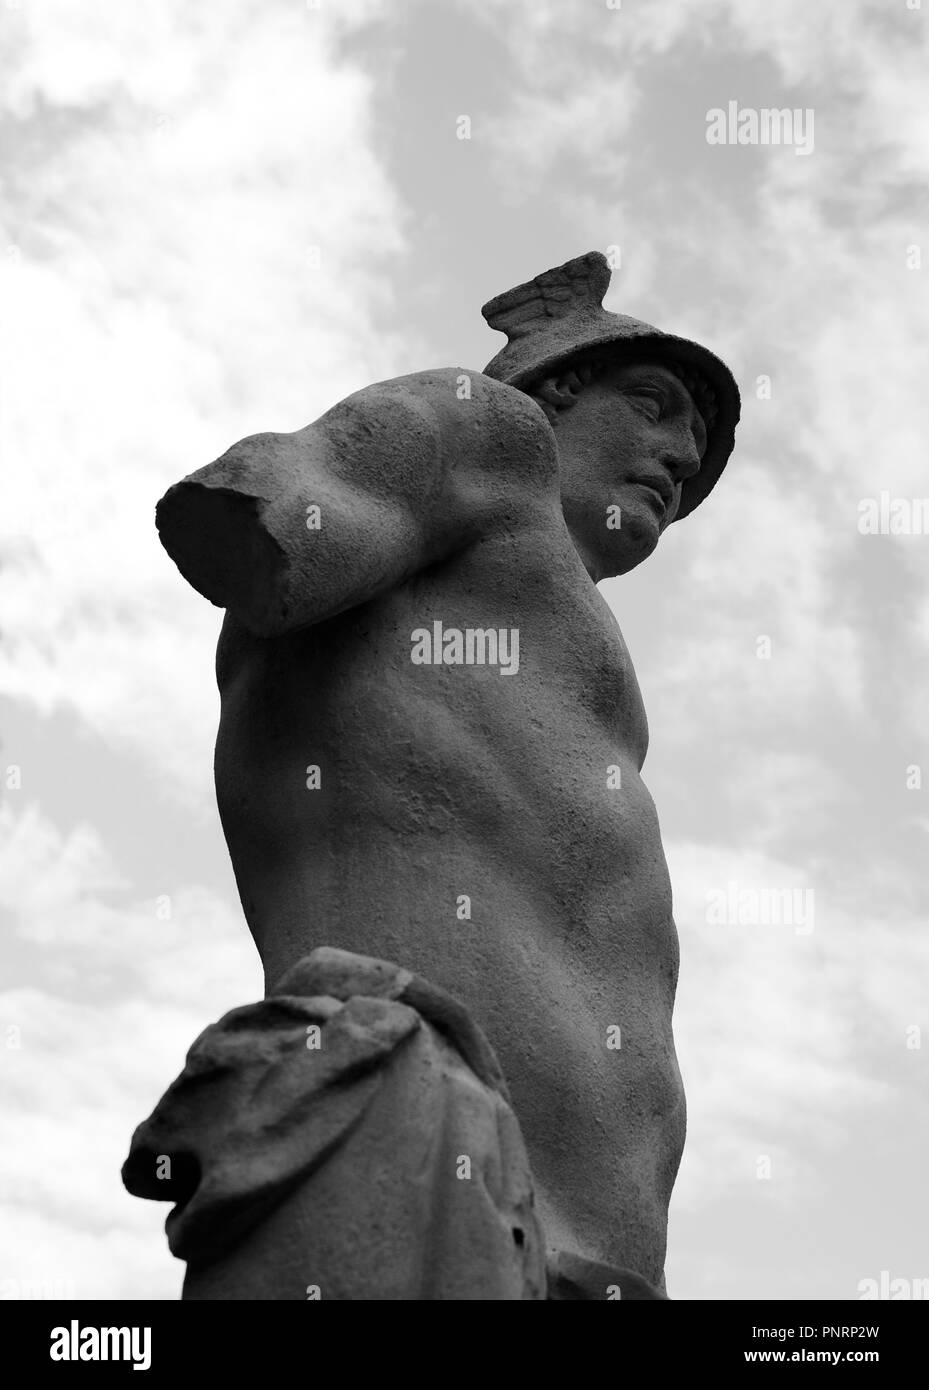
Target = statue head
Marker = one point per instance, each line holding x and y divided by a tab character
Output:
644	421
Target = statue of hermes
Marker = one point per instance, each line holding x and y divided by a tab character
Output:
428	770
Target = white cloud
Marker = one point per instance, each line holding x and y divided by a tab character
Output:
120	993
791	1040
160	304
172	166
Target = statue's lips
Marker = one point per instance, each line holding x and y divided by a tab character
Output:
659	488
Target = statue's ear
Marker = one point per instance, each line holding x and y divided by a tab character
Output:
559	392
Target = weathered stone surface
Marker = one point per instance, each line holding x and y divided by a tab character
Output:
483	824
557	320
351	1137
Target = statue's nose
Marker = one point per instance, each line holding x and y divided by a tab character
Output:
682	460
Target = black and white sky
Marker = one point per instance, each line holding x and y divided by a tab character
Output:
221	219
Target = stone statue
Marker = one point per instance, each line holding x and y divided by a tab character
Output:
462	1081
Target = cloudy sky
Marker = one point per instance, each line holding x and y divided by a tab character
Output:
218	220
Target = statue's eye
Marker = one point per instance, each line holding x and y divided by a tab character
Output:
648	399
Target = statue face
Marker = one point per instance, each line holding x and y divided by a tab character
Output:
631	439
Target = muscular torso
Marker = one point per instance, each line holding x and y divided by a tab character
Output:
444	783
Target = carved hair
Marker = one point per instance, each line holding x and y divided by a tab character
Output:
559	391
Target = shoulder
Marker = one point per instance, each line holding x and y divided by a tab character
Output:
448	419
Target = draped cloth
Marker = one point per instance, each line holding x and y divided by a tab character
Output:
351	1137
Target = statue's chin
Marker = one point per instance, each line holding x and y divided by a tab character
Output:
641	534
615	552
